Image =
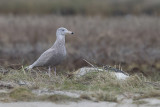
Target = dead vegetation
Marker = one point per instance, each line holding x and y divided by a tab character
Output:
22	94
81	7
131	41
150	94
96	86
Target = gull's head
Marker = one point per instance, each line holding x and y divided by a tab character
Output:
63	31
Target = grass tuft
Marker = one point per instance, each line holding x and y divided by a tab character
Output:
22	94
58	98
140	102
149	94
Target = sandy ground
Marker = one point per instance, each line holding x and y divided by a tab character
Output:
122	102
48	104
151	103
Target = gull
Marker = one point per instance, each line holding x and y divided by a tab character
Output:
54	55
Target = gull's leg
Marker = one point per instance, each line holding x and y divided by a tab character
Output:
55	71
49	71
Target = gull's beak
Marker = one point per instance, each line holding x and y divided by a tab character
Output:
70	32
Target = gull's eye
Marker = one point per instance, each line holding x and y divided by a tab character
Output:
62	29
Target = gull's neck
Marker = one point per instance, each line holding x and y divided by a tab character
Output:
60	37
60	41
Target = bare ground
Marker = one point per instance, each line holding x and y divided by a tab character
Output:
144	103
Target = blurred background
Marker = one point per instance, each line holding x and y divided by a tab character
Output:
107	32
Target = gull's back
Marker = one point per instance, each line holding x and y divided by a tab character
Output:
50	57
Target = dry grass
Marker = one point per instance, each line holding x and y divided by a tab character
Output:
25	94
100	96
130	41
149	94
98	86
83	7
140	102
22	94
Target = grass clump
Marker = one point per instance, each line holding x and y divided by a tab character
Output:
111	97
149	94
140	102
100	96
86	97
57	98
22	94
